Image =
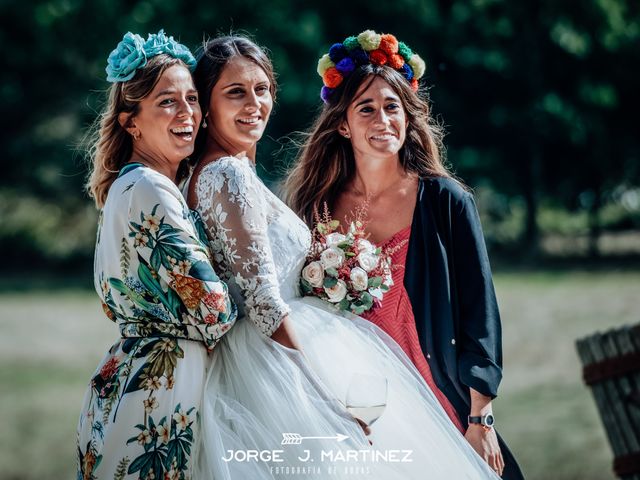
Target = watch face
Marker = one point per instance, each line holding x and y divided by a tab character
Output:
488	420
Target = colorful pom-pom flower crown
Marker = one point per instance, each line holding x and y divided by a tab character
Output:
133	52
368	47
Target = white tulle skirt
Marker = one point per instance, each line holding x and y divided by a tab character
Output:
257	391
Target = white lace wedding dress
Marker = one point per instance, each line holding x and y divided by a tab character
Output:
258	390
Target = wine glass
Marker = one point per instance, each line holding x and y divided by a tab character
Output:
367	397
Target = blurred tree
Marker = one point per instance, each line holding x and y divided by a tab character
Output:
538	97
543	97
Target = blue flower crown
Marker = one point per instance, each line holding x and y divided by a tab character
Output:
133	52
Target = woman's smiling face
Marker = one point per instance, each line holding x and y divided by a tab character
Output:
240	106
376	121
168	118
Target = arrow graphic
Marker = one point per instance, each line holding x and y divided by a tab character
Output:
296	438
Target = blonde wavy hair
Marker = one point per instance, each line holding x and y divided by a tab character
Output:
109	145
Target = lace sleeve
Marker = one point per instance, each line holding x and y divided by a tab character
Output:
230	202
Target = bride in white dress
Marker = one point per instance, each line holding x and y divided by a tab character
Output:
270	411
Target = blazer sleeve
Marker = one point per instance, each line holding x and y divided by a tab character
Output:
479	334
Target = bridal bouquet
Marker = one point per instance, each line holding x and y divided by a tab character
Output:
346	270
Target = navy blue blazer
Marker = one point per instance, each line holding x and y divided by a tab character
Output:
448	280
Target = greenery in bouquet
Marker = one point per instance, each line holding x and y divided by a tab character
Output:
346	269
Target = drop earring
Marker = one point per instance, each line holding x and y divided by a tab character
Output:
204	123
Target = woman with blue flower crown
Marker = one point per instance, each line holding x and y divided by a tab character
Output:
153	274
286	383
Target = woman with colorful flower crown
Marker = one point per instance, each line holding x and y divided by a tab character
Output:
376	143
284	382
140	417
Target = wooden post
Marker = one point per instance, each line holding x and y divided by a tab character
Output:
611	367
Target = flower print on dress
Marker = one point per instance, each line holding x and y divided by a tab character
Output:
151	223
166	445
155	293
88	461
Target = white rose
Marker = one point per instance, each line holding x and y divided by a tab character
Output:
332	257
368	260
314	274
333	239
337	292
359	278
365	246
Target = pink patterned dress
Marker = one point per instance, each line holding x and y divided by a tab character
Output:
395	317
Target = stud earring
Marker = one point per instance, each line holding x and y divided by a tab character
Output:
136	135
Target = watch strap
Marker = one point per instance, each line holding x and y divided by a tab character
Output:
482	420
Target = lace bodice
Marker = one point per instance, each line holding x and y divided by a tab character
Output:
259	245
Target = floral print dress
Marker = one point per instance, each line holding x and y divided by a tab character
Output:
153	274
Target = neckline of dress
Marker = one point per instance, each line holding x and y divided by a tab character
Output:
232	158
396	235
128	167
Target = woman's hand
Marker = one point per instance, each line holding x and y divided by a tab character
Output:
485	442
364	426
285	335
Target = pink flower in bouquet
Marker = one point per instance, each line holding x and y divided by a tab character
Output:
359	278
346	269
368	260
332	257
365	245
314	274
338	292
335	238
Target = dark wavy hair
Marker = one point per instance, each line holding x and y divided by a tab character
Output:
325	162
212	57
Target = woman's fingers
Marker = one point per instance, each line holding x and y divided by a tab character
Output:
500	463
364	426
496	462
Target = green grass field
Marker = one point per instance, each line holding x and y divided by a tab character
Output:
50	342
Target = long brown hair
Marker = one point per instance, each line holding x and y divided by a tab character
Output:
110	145
326	163
213	56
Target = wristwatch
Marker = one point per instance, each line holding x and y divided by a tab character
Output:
486	421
